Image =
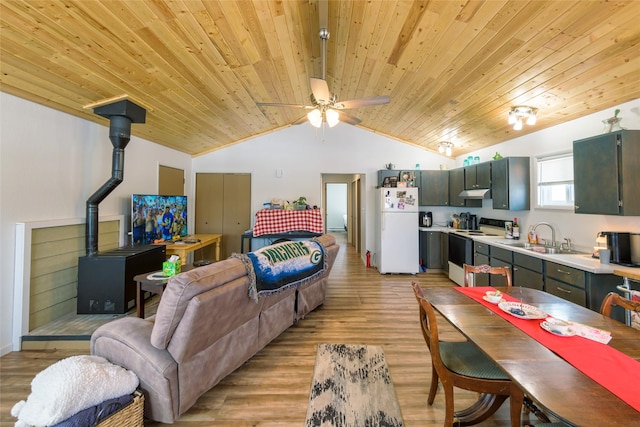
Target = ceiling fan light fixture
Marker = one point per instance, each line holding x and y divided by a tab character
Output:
333	117
520	114
315	118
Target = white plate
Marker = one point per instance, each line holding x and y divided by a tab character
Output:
157	276
547	327
530	311
484	297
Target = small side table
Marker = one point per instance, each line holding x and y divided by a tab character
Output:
155	286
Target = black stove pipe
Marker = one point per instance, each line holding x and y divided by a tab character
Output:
121	114
120	135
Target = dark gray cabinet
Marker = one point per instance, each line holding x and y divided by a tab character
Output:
387	173
510	180
606	173
434	188
499	257
456	186
431	249
566	282
528	271
481	256
477	176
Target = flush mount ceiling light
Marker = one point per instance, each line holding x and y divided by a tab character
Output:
445	148
520	114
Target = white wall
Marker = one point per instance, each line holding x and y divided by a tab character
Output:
50	163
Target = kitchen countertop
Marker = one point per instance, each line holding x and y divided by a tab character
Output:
582	261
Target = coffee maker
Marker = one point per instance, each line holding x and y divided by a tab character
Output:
619	243
425	219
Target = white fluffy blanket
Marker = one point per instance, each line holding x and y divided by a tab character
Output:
69	386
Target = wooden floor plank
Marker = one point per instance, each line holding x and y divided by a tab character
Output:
272	389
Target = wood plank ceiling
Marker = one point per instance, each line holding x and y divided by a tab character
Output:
452	69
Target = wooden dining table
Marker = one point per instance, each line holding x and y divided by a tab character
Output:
558	387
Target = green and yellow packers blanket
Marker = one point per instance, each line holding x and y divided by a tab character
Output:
274	268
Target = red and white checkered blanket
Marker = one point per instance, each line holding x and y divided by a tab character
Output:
273	221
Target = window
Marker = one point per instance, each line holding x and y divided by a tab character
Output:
555	181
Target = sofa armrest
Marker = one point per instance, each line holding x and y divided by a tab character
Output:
126	342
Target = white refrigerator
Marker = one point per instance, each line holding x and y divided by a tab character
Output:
397	231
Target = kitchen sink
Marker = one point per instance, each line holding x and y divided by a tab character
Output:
517	244
543	249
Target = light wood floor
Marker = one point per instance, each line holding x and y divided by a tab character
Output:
272	388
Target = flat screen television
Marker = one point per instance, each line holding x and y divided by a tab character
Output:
155	217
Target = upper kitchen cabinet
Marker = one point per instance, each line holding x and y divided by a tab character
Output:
477	176
387	173
434	188
606	173
456	186
510	179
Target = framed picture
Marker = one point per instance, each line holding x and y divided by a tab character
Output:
407	177
393	181
386	182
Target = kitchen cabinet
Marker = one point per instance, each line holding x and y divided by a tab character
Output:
387	173
444	251
528	271
477	176
456	186
431	249
606	173
566	282
499	257
481	256
597	287
510	183
434	188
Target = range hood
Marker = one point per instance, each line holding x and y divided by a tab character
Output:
479	193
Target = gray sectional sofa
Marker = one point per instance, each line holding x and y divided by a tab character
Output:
206	327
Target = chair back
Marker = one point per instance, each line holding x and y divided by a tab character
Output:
615	300
470	270
429	326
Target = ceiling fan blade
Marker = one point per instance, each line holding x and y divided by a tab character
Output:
275	104
363	102
348	118
320	90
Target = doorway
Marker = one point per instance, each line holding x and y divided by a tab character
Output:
170	181
341	195
336	207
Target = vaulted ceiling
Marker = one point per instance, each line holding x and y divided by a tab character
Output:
452	69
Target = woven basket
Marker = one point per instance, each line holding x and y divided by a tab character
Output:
131	415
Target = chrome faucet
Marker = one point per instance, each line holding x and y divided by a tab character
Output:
553	232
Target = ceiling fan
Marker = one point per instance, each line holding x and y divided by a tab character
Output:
325	107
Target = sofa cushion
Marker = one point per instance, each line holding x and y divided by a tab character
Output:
182	288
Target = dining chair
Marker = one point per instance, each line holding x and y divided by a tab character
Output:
613	299
463	365
470	270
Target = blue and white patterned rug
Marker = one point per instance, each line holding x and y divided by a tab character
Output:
352	387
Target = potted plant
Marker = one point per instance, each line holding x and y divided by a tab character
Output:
300	204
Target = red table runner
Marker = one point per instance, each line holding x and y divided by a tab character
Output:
274	221
612	369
